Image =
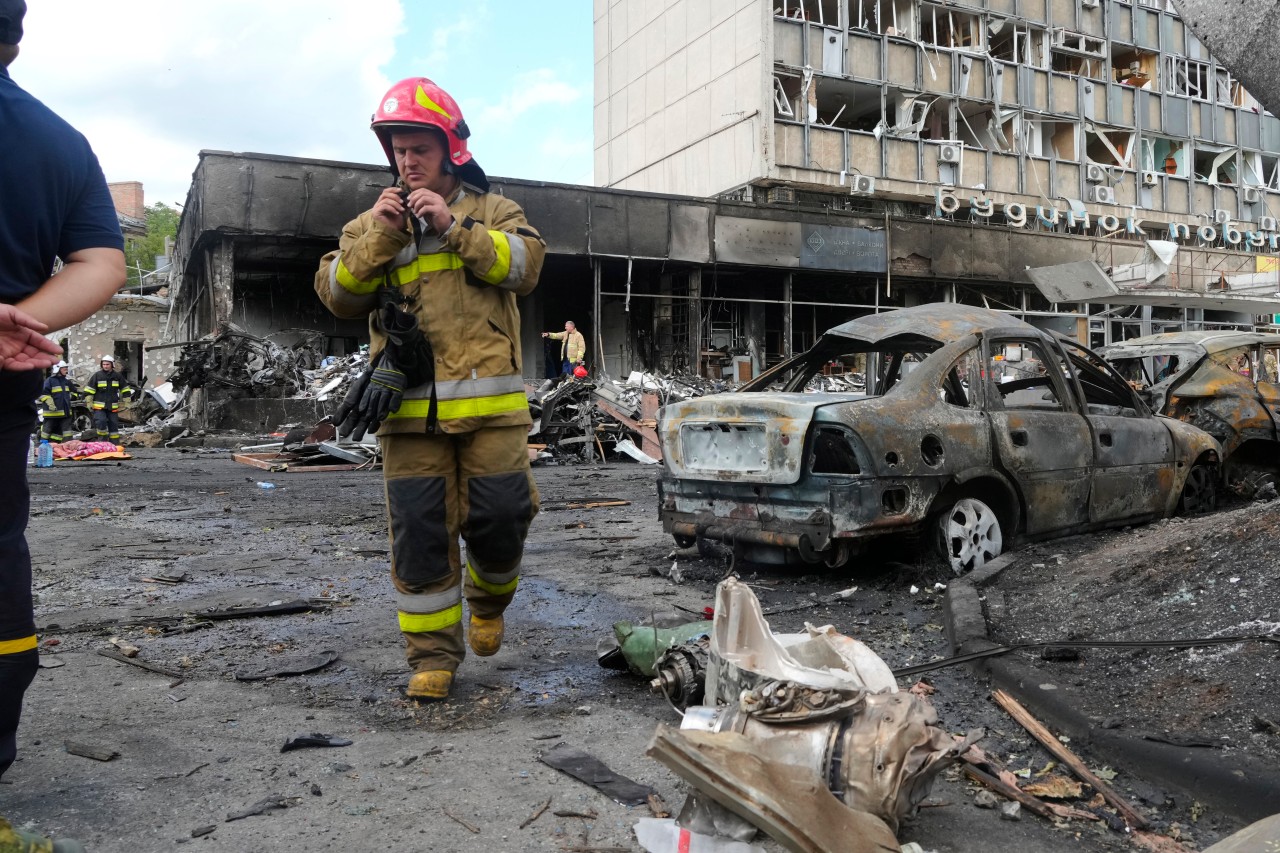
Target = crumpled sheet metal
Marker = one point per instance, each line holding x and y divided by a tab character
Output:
807	735
786	801
750	653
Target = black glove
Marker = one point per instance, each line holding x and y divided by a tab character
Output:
350	417
383	394
407	348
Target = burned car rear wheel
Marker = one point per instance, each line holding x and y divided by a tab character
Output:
1200	492
969	535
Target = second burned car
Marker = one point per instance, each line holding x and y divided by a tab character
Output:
1224	382
975	428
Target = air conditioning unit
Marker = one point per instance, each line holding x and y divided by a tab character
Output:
1221	217
1150	179
949	153
1267	223
1102	195
864	184
1251	195
1095	174
781	195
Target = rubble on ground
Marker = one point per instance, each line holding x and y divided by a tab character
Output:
582	420
233	358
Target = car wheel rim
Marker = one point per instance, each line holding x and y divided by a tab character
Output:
972	535
1198	494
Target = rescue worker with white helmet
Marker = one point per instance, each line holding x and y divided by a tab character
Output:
55	401
103	392
437	265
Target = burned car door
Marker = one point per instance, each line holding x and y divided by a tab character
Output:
1039	435
1134	454
1265	383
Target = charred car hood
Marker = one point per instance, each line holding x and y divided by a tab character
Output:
724	436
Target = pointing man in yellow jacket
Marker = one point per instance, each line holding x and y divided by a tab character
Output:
437	264
573	347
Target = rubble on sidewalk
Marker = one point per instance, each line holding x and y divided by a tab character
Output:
315	449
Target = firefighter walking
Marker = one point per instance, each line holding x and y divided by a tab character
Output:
437	264
104	392
56	403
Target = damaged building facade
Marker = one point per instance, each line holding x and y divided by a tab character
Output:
923	151
134	319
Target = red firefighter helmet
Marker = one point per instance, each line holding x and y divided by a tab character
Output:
580	372
415	104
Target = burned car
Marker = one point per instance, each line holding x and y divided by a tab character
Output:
974	429
1224	382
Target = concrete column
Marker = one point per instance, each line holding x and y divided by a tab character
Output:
786	315
695	319
223	283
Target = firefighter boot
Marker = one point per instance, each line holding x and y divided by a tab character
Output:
485	635
429	684
16	841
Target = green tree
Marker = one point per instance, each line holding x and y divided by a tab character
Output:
140	252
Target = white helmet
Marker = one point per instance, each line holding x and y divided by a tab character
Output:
110	358
60	365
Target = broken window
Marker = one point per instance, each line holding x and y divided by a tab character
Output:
1269	171
825	12
847	105
1251	169
1186	77
1134	67
1105	390
1076	53
1020	43
128	356
786	98
891	17
984	126
1109	147
948	28
962	384
908	115
1048	139
1164	156
1020	375
1214	164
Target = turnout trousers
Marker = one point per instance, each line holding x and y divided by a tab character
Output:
440	487
55	429
107	423
18	655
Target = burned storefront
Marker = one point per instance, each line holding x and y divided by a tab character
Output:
707	291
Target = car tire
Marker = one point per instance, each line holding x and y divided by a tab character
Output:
81	421
968	535
1199	492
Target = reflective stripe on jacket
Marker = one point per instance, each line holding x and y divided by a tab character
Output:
56	399
105	389
462	286
573	346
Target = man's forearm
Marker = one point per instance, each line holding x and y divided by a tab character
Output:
86	282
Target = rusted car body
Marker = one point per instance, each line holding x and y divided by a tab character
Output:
975	428
1223	382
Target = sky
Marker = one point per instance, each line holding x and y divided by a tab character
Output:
152	82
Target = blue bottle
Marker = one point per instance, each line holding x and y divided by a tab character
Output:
44	456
